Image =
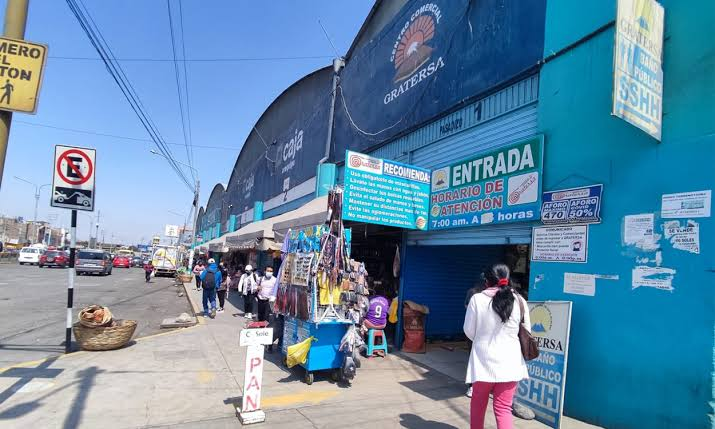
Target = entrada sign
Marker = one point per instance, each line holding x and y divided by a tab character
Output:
501	186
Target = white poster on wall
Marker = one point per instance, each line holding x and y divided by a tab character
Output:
560	244
638	230
580	284
686	204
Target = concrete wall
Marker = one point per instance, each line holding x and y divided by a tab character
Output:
639	358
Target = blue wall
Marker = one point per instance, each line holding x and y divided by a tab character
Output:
639	358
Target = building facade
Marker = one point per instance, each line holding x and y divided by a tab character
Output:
434	83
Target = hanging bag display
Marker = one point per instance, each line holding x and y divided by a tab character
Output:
529	348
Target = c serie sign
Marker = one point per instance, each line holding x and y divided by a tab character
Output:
501	186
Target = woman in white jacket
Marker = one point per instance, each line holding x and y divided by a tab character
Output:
495	362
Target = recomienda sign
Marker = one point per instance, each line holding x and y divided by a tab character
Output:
501	186
385	192
637	65
543	392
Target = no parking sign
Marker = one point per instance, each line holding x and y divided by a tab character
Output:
73	179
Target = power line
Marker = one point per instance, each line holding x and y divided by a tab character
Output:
186	82
195	60
178	90
114	136
115	70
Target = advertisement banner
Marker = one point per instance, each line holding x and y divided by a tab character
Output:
637	65
497	187
413	68
560	244
385	192
543	392
575	205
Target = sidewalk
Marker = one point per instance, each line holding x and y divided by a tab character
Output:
191	378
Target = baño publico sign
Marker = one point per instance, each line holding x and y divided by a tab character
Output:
499	186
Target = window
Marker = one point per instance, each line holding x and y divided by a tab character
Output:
91	255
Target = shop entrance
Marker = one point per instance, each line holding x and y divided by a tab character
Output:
376	246
440	278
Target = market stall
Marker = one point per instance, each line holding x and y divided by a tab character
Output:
322	296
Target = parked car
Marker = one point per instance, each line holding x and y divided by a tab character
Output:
121	261
54	258
137	261
29	255
91	261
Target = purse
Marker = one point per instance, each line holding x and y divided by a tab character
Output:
529	348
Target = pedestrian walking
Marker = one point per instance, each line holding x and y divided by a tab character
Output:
198	269
247	286
210	280
148	269
495	361
266	293
222	291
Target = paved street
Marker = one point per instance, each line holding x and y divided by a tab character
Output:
33	306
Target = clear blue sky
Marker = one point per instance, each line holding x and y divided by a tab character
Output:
134	189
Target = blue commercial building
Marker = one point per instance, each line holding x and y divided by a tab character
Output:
432	83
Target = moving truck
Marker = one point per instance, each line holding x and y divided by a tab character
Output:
165	260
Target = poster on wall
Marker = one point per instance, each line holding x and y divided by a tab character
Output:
385	192
560	244
637	65
543	392
575	205
501	186
686	204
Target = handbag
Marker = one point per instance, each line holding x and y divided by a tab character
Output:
529	348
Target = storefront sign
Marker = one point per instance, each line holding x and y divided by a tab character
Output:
576	205
686	204
543	392
496	187
413	69
560	244
637	68
385	192
250	411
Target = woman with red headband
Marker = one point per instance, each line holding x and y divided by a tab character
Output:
495	361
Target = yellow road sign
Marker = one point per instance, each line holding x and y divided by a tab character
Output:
21	67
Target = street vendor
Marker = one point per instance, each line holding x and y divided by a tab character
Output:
376	317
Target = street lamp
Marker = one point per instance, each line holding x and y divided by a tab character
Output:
195	203
38	188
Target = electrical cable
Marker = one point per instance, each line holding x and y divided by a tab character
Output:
186	81
178	89
117	73
196	60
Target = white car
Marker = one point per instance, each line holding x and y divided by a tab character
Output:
29	255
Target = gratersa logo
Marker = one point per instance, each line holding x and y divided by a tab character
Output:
358	161
288	151
412	51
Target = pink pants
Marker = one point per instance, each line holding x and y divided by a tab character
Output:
503	396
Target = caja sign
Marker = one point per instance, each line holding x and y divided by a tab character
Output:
288	151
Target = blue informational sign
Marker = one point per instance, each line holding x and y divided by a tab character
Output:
575	205
543	391
385	192
501	186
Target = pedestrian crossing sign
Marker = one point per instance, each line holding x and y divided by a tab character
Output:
21	66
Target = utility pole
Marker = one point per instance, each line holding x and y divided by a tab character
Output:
15	21
96	233
193	227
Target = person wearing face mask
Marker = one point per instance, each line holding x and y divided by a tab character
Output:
266	292
247	287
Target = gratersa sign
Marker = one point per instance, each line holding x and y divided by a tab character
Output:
501	186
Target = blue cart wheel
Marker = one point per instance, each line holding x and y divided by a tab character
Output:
309	378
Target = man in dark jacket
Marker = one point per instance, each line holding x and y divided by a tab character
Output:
211	280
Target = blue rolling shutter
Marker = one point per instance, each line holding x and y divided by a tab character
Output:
439	277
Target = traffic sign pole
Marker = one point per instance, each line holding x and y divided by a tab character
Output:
70	284
15	20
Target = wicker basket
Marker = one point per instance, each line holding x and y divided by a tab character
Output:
105	338
185	278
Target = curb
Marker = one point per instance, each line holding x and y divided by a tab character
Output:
195	306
